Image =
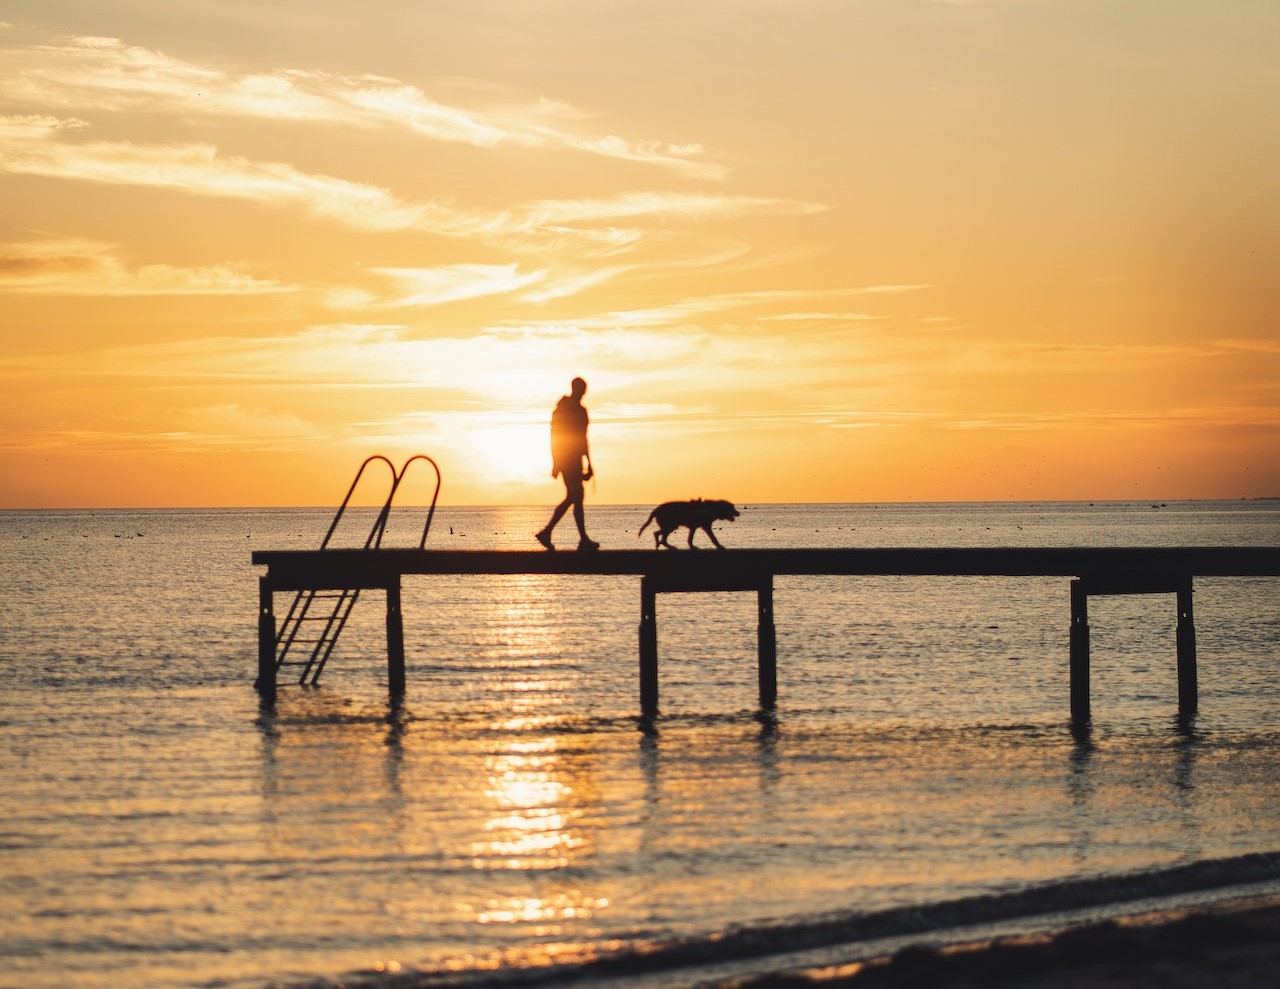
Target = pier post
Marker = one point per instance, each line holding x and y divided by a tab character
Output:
1079	652
767	645
1188	689
266	682
395	641
648	649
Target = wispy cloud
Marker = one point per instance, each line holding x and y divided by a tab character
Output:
33	145
235	424
453	283
44	145
493	362
804	317
692	206
459	282
107	74
193	429
685	311
1102	418
83	267
683	158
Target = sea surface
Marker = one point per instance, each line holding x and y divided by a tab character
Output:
513	815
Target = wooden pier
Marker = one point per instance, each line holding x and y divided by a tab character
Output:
1092	572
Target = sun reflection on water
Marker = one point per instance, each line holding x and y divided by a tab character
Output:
534	809
572	905
539	793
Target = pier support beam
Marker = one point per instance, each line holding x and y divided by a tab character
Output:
648	648
1188	688
767	645
767	639
266	682
395	642
1079	652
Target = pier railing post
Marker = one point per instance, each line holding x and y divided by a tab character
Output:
767	645
1079	652
1188	688
395	641
648	649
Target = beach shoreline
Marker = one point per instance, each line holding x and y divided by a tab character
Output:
1234	944
1130	932
1207	923
1227	937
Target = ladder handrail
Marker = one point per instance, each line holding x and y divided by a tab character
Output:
352	490
380	523
431	511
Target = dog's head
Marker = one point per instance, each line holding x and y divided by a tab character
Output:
718	508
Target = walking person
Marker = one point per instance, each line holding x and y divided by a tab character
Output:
570	461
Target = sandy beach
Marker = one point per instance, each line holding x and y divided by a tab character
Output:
1235	945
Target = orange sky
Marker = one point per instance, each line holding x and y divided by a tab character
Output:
802	250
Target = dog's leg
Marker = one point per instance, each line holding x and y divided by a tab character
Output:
707	529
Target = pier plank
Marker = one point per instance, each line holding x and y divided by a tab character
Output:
1119	566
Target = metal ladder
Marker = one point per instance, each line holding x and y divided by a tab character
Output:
315	619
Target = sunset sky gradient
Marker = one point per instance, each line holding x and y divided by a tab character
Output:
801	250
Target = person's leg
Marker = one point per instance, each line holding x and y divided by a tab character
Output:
544	535
557	514
577	498
573	497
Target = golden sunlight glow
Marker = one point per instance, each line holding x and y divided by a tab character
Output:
517	452
922	251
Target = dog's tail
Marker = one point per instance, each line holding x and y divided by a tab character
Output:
646	523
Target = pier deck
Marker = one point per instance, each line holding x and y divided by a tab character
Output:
1111	570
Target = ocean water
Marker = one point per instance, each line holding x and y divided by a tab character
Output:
512	815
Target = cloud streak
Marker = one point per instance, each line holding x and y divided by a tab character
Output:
454	283
42	145
82	267
33	145
107	74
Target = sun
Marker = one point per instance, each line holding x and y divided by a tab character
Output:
516	452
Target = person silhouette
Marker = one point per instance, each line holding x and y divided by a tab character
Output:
570	461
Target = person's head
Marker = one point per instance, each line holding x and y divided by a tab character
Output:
579	387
